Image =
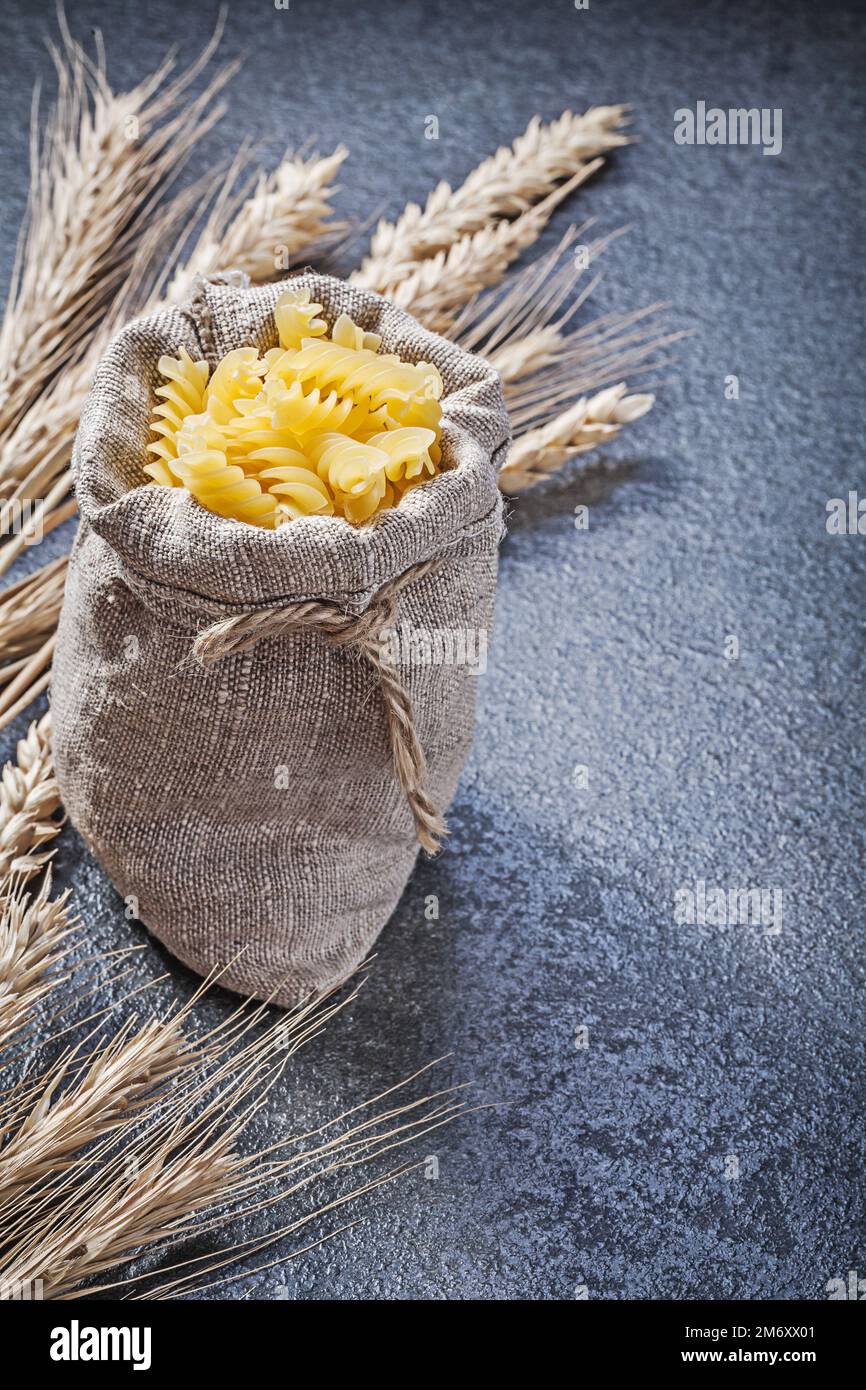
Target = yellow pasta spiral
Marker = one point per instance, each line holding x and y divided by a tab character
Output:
295	317
298	490
238	375
372	377
321	426
225	489
181	395
408	452
299	413
348	465
277	456
346	333
425	413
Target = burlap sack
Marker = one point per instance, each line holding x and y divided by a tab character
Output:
250	810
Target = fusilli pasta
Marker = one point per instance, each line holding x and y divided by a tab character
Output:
181	395
321	426
225	489
295	317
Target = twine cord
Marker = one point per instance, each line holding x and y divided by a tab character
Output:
364	632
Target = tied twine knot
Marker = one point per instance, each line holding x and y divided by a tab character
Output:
365	633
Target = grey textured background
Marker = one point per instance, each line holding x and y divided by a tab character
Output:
605	1166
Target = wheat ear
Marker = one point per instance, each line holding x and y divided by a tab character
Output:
438	289
29	803
586	425
288	212
99	1093
94	172
32	928
291	202
141	1149
505	185
33	932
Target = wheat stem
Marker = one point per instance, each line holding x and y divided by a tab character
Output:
29	801
438	289
505	185
94	173
291	203
587	424
287	212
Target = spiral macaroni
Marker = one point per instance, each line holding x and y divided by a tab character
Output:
181	395
325	425
295	317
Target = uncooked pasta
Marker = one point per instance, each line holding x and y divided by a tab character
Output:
323	425
182	394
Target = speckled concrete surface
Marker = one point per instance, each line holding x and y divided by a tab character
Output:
609	1166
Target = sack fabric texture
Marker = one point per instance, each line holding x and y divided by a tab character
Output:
250	809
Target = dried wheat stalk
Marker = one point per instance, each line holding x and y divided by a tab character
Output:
34	458
629	344
94	173
28	612
134	1141
439	287
288	212
116	1079
22	679
36	452
291	202
525	329
505	185
29	803
528	302
588	423
142	1143
92	121
32	928
33	933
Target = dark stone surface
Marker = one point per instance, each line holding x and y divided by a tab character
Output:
604	1167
